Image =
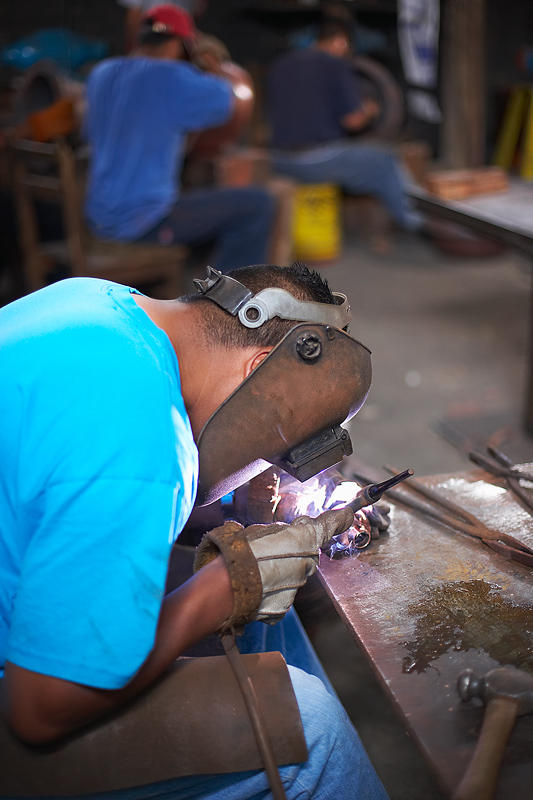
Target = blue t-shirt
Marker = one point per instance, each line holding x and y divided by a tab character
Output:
98	474
309	91
139	111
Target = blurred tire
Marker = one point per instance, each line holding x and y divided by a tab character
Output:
377	83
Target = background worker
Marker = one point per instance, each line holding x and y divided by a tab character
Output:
314	103
106	395
140	110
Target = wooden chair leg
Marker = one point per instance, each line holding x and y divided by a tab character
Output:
281	244
173	286
34	267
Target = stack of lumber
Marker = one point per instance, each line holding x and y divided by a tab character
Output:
460	183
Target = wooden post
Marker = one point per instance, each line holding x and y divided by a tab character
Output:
463	83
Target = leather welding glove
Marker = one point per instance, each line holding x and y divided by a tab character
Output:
378	517
268	563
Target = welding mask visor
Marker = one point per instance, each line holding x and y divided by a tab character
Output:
288	412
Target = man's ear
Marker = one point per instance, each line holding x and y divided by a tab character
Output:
257	358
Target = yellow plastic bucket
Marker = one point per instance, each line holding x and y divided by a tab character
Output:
317	229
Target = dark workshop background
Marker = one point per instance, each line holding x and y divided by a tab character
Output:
255	31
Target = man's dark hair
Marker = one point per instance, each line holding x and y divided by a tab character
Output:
329	28
224	329
150	38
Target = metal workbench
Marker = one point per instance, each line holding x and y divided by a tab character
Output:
425	602
506	217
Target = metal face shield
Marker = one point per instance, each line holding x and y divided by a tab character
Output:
287	412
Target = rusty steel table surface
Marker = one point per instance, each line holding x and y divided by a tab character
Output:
425	602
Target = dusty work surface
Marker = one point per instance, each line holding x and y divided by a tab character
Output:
513	208
425	602
508	216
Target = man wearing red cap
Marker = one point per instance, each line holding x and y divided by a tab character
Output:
140	110
136	8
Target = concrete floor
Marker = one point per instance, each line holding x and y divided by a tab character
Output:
450	337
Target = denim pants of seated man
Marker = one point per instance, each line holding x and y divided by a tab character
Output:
359	169
338	766
239	222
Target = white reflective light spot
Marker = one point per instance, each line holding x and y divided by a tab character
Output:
413	379
242	91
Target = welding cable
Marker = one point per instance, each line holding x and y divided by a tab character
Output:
256	716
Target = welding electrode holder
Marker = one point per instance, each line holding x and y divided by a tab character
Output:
374	491
366	496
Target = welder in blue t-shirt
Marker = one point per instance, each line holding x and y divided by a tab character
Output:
117	413
140	111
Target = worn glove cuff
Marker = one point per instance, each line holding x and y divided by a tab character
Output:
230	541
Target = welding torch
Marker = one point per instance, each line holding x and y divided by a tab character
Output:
373	492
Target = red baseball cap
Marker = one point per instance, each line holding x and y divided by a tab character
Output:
172	20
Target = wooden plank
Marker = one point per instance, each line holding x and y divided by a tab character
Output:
456	184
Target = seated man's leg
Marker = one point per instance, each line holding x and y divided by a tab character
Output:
288	637
358	169
338	765
239	220
370	169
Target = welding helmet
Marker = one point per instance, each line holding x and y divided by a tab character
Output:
289	410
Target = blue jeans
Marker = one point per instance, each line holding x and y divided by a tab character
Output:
338	766
290	639
358	169
238	220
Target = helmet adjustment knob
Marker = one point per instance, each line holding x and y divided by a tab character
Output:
309	346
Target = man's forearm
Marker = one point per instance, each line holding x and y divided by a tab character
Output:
360	118
40	708
194	610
